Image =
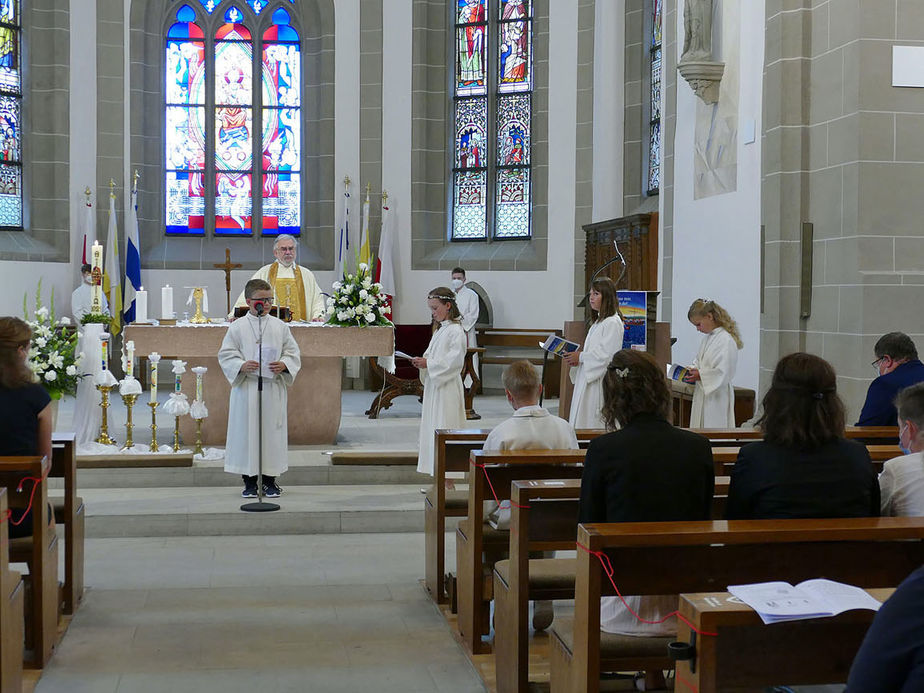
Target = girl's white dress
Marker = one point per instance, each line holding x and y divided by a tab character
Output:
603	340
713	394
444	398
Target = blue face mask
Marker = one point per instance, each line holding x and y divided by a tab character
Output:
901	432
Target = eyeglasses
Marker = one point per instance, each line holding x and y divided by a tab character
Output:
875	364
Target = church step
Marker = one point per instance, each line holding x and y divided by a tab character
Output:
215	511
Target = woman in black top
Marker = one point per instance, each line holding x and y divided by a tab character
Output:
804	467
25	414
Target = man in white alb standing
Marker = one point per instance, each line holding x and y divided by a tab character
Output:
469	306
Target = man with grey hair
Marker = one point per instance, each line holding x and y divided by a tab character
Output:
898	367
294	287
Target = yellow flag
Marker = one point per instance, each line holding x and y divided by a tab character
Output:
365	248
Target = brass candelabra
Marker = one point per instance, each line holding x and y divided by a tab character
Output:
198	450
153	406
104	438
129	401
176	435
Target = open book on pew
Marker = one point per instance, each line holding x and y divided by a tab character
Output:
559	345
775	602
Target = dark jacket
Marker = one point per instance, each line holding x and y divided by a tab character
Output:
879	408
648	471
770	481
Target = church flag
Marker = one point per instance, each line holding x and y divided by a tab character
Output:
365	249
385	263
343	244
112	277
89	230
132	257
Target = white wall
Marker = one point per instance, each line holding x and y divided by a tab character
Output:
717	239
609	108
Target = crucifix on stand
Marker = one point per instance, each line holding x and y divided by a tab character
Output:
227	266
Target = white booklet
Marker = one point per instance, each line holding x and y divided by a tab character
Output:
780	601
270	354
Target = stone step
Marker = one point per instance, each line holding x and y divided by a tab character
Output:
215	511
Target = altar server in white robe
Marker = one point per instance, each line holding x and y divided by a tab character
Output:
294	287
441	374
238	358
469	307
588	365
714	368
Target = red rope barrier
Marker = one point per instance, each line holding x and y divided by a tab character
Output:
688	684
491	486
608	569
35	482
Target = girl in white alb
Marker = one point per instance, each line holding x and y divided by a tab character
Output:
589	364
714	367
441	374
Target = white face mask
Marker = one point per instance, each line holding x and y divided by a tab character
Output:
456	284
87	279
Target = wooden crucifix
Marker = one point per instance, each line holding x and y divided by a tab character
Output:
227	266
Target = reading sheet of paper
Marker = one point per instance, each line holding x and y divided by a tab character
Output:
270	354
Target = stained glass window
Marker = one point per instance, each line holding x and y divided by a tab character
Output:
10	115
233	144
492	121
654	106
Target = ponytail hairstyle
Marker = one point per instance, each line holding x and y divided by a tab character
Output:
14	333
702	307
609	299
445	296
634	384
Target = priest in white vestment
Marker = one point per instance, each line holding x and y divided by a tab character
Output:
294	287
469	307
239	360
82	297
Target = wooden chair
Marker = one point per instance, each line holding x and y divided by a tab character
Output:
39	552
69	511
12	594
676	557
413	340
474	536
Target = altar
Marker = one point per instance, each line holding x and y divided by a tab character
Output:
314	399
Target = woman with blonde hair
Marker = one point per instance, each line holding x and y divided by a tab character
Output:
441	373
714	367
589	363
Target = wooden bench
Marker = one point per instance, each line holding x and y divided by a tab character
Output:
39	552
746	654
493	339
474	536
677	557
724	458
12	593
69	511
722	437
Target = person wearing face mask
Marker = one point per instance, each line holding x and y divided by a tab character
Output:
901	483
81	298
469	307
294	287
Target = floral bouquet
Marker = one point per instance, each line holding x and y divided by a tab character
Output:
357	301
53	354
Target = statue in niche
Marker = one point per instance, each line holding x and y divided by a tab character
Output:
697	31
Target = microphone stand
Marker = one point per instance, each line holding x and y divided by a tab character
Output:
260	506
625	267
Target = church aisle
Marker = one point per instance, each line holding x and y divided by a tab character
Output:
276	613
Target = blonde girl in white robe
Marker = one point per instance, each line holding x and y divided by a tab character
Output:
588	365
441	374
714	367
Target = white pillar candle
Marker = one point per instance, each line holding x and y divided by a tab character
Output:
130	359
104	349
141	305
199	371
166	302
154	358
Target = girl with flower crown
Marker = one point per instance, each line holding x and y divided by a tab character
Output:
714	367
441	373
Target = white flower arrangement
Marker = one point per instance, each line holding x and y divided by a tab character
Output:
53	356
357	301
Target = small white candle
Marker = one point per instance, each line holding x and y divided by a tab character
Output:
166	302
130	359
141	305
154	358
104	349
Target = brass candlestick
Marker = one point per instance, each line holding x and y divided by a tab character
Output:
153	406
104	438
176	435
129	401
198	450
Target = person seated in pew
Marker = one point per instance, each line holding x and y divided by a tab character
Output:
901	482
804	467
898	366
647	471
891	657
25	408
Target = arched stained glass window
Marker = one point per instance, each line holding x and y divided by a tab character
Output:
233	147
10	115
492	119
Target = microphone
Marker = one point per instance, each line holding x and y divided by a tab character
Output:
259	308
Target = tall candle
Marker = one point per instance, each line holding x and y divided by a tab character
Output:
104	349
141	305
199	371
96	291
166	302
154	358
129	359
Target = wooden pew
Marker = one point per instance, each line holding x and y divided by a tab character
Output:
474	535
39	552
746	654
69	511
678	557
720	437
12	594
724	458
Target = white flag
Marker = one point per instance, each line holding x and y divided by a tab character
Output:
385	265
343	238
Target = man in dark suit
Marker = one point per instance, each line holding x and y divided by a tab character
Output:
898	366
